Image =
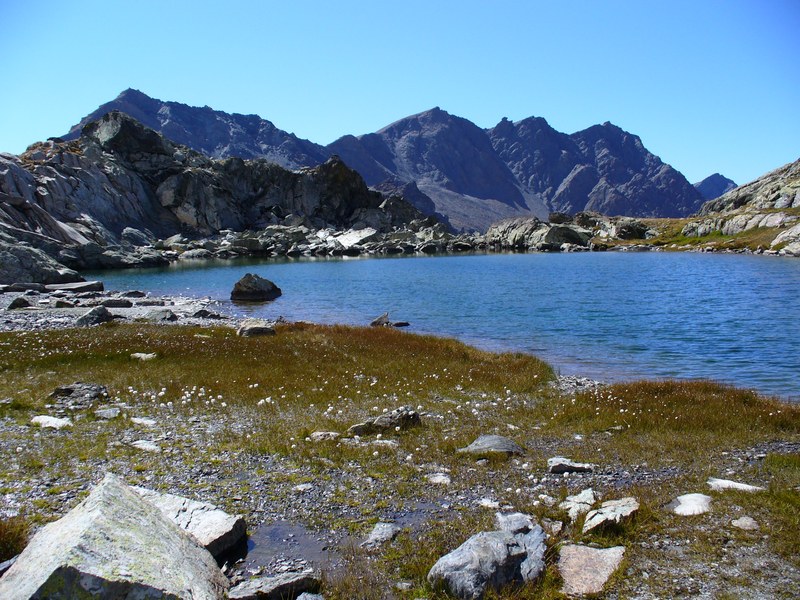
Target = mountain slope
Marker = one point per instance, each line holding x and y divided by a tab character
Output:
714	186
602	169
214	133
471	176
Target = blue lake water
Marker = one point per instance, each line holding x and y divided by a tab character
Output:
610	316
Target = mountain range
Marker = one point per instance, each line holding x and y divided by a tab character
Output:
469	176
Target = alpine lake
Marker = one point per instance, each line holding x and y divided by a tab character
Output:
611	316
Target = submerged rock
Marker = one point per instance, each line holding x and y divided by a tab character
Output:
113	545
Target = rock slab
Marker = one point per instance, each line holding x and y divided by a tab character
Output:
493	444
719	485
586	570
611	512
690	504
559	465
278	587
214	529
113	545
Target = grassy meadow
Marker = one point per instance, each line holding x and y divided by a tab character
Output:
224	403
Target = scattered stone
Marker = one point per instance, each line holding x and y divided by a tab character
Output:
403	417
690	504
490	559
278	587
214	529
143	356
559	465
586	570
746	523
95	316
77	286
133	294
107	413
303	487
146	445
79	395
160	315
204	313
254	327
380	534
61	303
719	485
116	303
552	527
114	544
492	445
612	511
578	504
20	302
46	421
254	288
439	478
324	436
143	421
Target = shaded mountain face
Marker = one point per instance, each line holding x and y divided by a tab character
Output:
471	176
714	186
602	169
214	133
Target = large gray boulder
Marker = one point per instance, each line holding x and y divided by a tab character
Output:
114	545
95	316
490	560
214	529
254	288
20	262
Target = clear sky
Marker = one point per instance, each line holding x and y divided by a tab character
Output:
709	85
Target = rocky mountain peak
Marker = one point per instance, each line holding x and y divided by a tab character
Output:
714	186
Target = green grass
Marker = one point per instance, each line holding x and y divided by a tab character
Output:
259	399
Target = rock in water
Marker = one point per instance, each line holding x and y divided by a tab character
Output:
254	288
114	544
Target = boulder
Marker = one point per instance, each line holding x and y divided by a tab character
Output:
490	560
95	316
116	303
278	587
78	396
20	302
254	288
690	504
403	417
578	504
113	545
49	422
486	445
144	356
214	529
380	534
160	315
559	465
254	327
585	570
611	512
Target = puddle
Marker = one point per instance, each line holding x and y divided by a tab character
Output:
283	546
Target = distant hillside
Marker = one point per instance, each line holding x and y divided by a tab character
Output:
714	186
471	176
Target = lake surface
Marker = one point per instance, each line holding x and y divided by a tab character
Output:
609	316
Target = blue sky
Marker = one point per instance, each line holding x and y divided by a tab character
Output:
708	85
